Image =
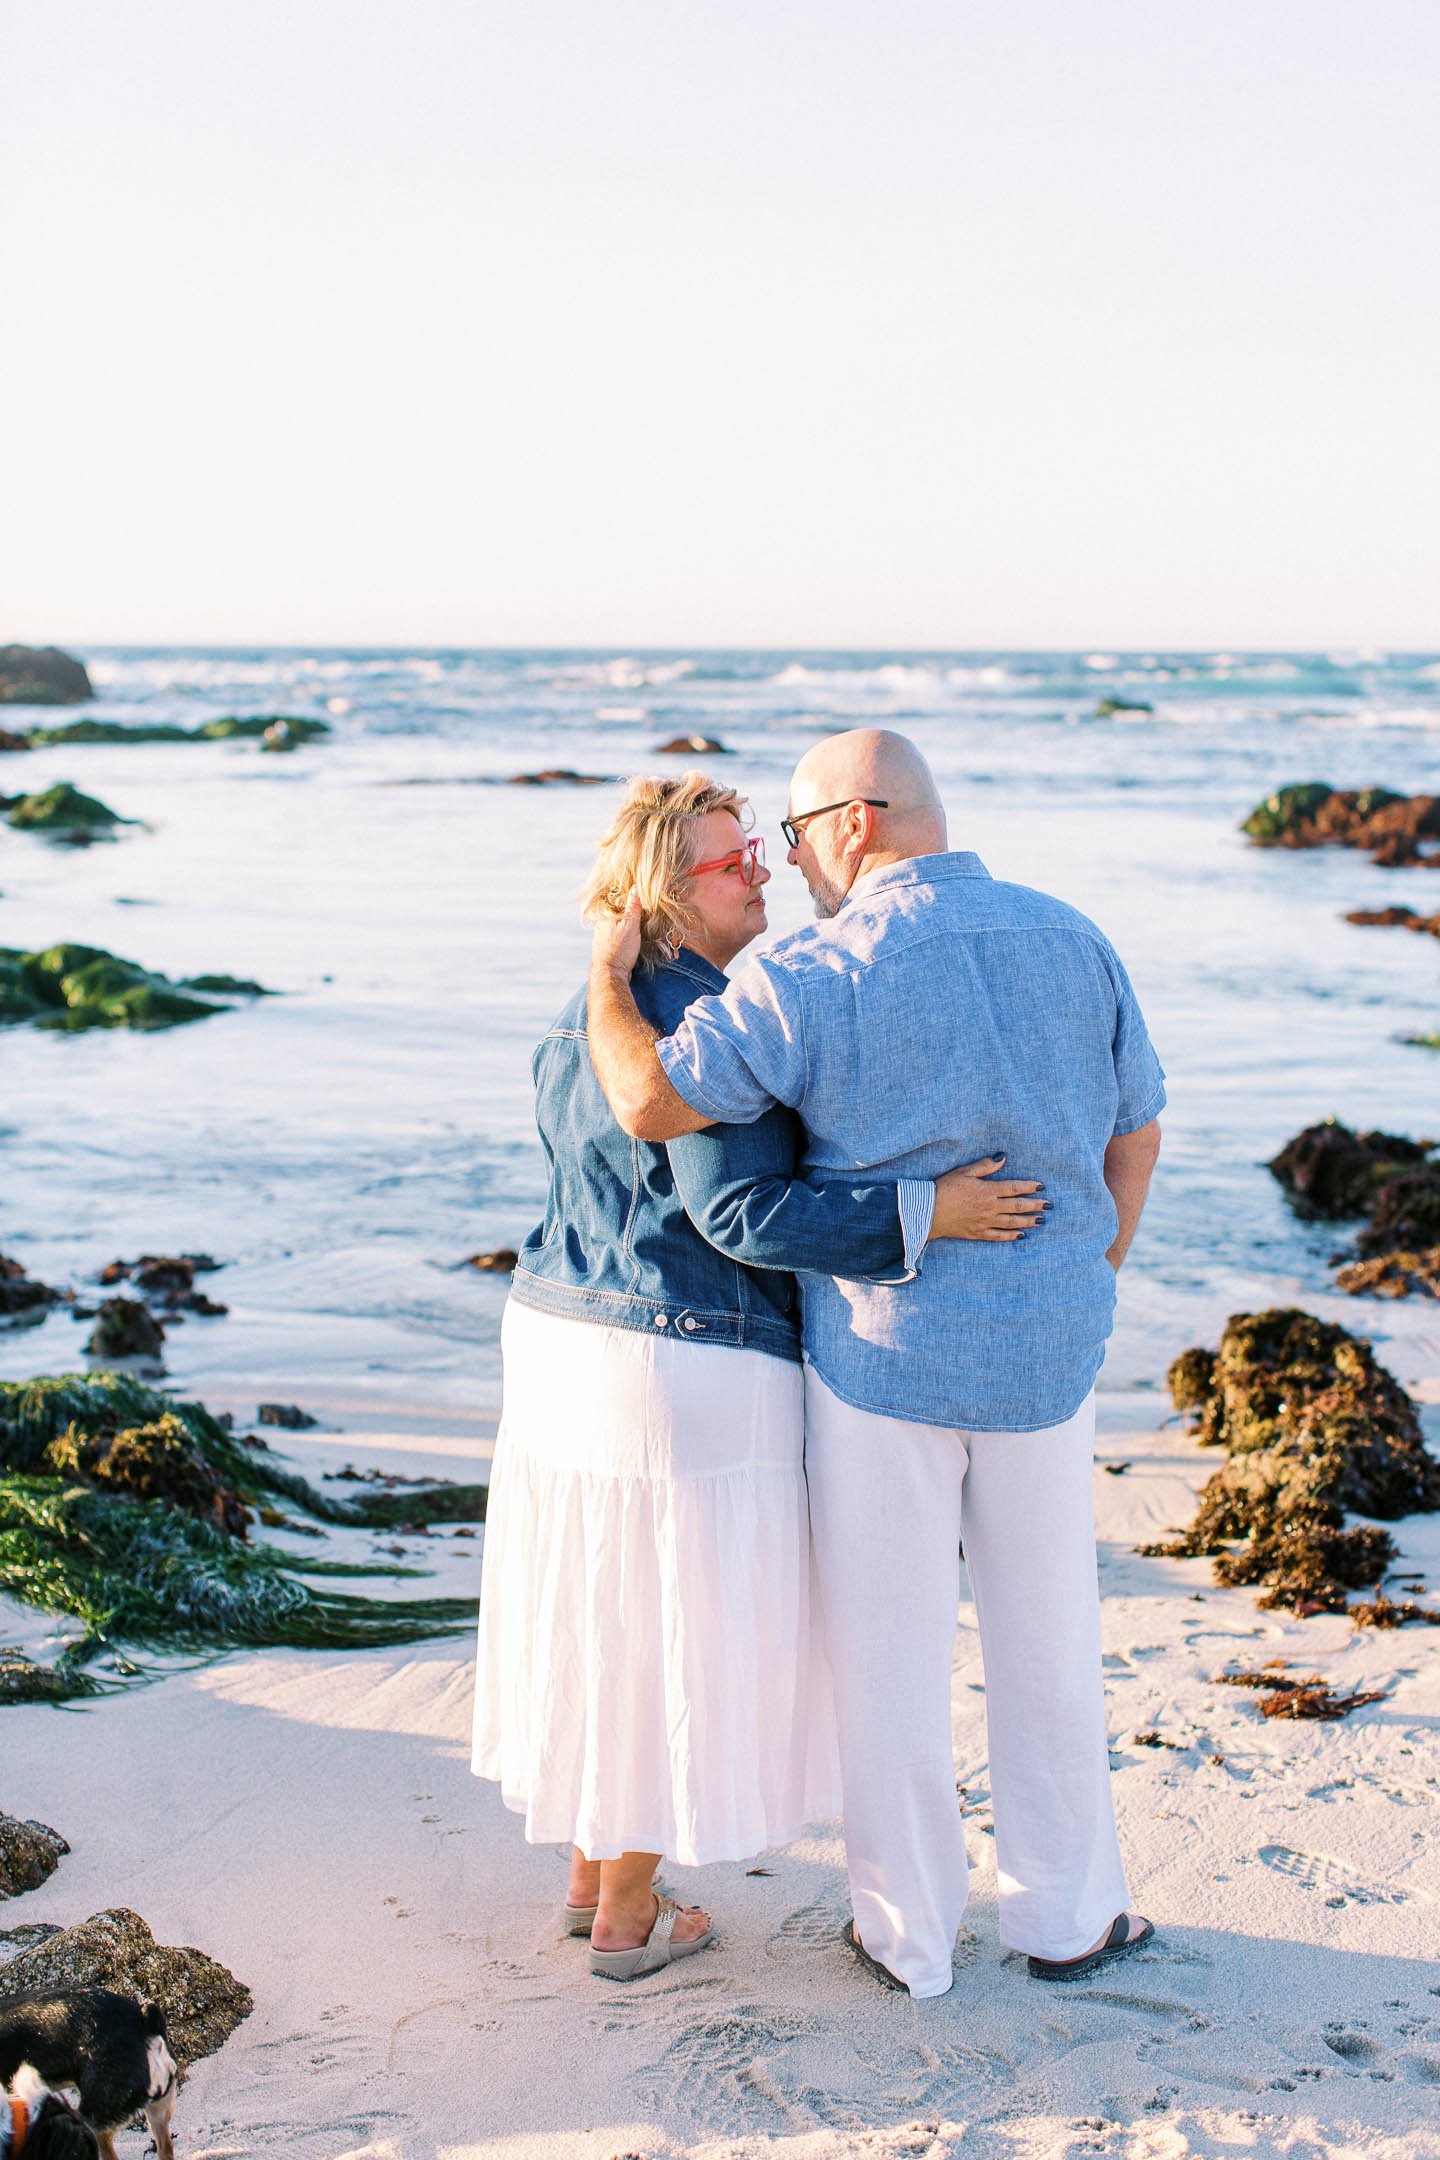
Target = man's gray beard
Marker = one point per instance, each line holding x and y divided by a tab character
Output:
828	898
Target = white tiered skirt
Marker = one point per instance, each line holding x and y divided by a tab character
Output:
650	1677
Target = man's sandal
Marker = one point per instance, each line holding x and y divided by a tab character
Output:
577	1919
1117	1944
657	1951
857	1949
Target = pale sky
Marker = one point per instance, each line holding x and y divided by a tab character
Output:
709	322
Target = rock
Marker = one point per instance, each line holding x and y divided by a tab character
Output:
1314	1430
20	1297
1396	830
30	1852
203	2003
125	1328
106	731
688	745
273	731
1109	706
22	1680
62	813
80	986
9	742
557	776
288	1415
1331	1172
500	1262
155	1461
225	986
153	731
41	675
1394	1274
1424	1042
1396	918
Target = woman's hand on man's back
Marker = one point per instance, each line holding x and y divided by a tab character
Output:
972	1202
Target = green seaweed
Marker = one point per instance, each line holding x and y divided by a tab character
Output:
230	729
1286	810
80	986
128	1511
61	809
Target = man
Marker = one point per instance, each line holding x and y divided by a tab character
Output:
930	1016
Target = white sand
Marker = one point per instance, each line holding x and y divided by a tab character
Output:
311	1820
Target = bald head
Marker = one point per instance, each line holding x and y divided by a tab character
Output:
894	809
870	761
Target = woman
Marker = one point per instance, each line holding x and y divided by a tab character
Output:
647	1682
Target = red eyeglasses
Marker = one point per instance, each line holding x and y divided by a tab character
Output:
744	862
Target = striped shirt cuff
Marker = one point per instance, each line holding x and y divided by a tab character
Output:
917	1211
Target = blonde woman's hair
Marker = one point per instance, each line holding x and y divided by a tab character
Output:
649	850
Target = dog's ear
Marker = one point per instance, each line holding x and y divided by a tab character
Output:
154	2015
58	2133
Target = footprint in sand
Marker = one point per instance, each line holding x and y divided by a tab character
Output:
1338	1883
723	2072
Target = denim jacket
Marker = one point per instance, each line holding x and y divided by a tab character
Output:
617	1244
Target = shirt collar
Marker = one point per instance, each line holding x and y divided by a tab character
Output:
917	870
689	962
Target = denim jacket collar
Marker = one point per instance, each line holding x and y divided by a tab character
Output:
916	870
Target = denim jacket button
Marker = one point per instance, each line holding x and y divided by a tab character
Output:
689	1323
661	1320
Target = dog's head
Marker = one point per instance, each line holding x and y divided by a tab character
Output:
43	2126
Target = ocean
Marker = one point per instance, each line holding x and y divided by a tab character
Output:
343	1146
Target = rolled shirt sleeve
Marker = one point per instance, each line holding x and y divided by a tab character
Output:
916	1197
735	1054
1139	1074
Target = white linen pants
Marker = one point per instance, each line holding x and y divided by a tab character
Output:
889	1503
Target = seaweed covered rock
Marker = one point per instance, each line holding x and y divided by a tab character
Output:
23	1681
1395	830
203	2003
41	675
154	1461
124	1328
271	730
1331	1172
1393	1274
80	986
500	1262
62	813
557	776
21	1297
692	746
1314	1430
229	729
30	1852
126	1511
168	1281
11	742
1107	707
1395	918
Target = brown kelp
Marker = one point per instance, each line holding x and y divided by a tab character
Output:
1314	1430
1331	1173
130	1512
80	986
1298	1695
1395	830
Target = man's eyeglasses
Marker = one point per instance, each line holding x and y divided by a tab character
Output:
743	862
792	827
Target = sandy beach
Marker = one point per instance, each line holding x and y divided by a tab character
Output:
311	1820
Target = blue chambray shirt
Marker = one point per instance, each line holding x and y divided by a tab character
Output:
939	1017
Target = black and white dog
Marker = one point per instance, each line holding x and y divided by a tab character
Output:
105	2048
36	2124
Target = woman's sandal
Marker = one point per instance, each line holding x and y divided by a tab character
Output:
577	1919
657	1950
1117	1944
